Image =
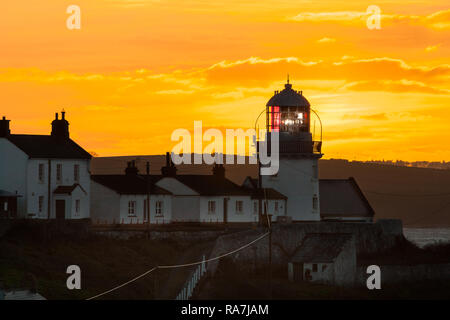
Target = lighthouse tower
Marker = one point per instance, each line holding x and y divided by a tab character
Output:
289	113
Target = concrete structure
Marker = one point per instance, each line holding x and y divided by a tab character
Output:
288	115
49	174
8	204
327	258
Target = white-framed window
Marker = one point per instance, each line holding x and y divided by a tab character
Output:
239	206
211	207
77	207
315	202
255	207
59	173
276	207
76	173
41	204
131	208
159	208
41	172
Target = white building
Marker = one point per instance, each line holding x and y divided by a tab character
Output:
328	258
206	198
288	113
124	199
49	174
177	198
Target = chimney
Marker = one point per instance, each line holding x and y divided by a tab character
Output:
131	169
169	170
219	170
4	128
60	128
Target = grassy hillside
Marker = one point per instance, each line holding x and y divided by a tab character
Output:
418	196
29	260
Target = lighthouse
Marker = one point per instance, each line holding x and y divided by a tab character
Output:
288	113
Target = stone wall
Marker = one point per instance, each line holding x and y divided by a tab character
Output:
286	238
392	274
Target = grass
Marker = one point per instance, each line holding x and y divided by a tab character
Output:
230	283
31	260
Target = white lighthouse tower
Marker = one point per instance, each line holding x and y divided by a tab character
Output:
289	113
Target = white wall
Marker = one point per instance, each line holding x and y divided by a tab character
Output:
185	208
105	204
36	188
298	180
13	173
217	216
321	276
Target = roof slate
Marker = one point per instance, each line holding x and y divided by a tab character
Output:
46	146
321	247
128	184
343	197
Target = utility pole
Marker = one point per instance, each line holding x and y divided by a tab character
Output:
148	197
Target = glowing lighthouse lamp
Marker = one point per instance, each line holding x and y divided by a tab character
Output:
288	113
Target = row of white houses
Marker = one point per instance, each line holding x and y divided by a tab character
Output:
178	198
48	177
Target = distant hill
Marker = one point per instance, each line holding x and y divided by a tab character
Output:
418	196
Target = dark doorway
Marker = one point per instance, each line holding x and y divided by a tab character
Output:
225	210
60	209
298	271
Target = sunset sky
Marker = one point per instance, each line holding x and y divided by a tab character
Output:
139	69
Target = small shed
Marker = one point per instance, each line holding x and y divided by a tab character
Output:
328	258
8	204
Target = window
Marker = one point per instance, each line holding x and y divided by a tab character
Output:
159	209
255	207
239	206
276	206
314	269
76	173
5	206
131	208
211	207
59	173
77	207
315	202
145	210
41	204
41	172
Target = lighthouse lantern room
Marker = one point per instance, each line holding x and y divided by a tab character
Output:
288	113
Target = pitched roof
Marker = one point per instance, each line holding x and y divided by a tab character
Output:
321	247
211	185
256	193
46	146
4	193
127	184
67	189
343	197
22	294
268	193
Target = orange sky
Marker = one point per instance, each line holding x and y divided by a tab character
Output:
139	69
